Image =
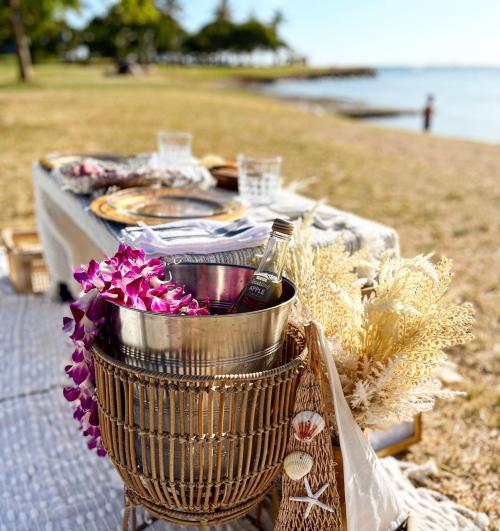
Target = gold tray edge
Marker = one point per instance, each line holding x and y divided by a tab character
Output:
131	219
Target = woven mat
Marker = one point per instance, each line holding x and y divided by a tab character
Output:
50	481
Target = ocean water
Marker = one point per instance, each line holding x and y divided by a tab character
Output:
467	100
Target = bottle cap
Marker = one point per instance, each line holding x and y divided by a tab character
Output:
285	227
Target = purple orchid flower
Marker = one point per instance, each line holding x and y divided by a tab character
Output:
71	393
92	276
127	279
78	372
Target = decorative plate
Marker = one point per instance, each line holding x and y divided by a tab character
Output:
56	160
154	206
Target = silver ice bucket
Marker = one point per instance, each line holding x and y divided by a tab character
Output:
208	344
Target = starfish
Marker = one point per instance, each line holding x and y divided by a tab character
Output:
312	499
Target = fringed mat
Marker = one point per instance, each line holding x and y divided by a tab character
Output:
49	479
431	510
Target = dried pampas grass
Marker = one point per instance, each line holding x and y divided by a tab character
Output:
328	288
392	341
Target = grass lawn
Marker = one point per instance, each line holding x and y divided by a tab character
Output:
440	194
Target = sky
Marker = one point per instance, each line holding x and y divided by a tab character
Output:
371	32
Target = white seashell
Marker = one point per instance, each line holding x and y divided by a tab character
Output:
307	424
298	464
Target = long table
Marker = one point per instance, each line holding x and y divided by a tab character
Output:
71	234
51	481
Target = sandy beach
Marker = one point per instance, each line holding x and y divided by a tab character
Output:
440	194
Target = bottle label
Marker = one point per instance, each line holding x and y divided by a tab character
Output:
259	286
261	292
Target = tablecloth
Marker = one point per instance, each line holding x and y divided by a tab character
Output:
72	235
49	480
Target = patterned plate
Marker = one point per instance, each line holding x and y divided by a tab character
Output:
160	205
56	160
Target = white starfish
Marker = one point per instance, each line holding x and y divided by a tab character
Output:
312	499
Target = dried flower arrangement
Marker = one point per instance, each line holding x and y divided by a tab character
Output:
390	343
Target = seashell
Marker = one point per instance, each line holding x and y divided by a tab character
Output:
307	424
298	464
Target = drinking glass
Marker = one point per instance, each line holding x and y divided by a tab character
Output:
258	179
174	146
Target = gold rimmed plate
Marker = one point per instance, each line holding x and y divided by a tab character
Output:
154	206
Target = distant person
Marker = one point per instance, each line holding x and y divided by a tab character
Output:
128	67
123	67
428	112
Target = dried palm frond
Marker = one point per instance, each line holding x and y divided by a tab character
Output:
392	341
407	323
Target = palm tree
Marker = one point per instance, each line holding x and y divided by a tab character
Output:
29	18
278	19
172	8
276	42
223	11
20	40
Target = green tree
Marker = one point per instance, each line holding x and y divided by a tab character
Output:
137	12
222	35
140	16
169	34
212	38
141	27
146	27
215	37
250	36
31	20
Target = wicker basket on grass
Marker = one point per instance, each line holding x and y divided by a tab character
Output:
197	450
27	268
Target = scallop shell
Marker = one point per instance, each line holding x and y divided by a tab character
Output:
307	424
298	464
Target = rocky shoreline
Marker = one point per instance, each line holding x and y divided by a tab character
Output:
348	108
308	73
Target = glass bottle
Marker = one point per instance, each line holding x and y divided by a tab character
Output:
264	288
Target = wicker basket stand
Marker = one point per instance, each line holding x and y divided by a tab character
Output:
197	450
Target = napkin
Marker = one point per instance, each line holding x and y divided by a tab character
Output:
195	237
177	174
85	175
